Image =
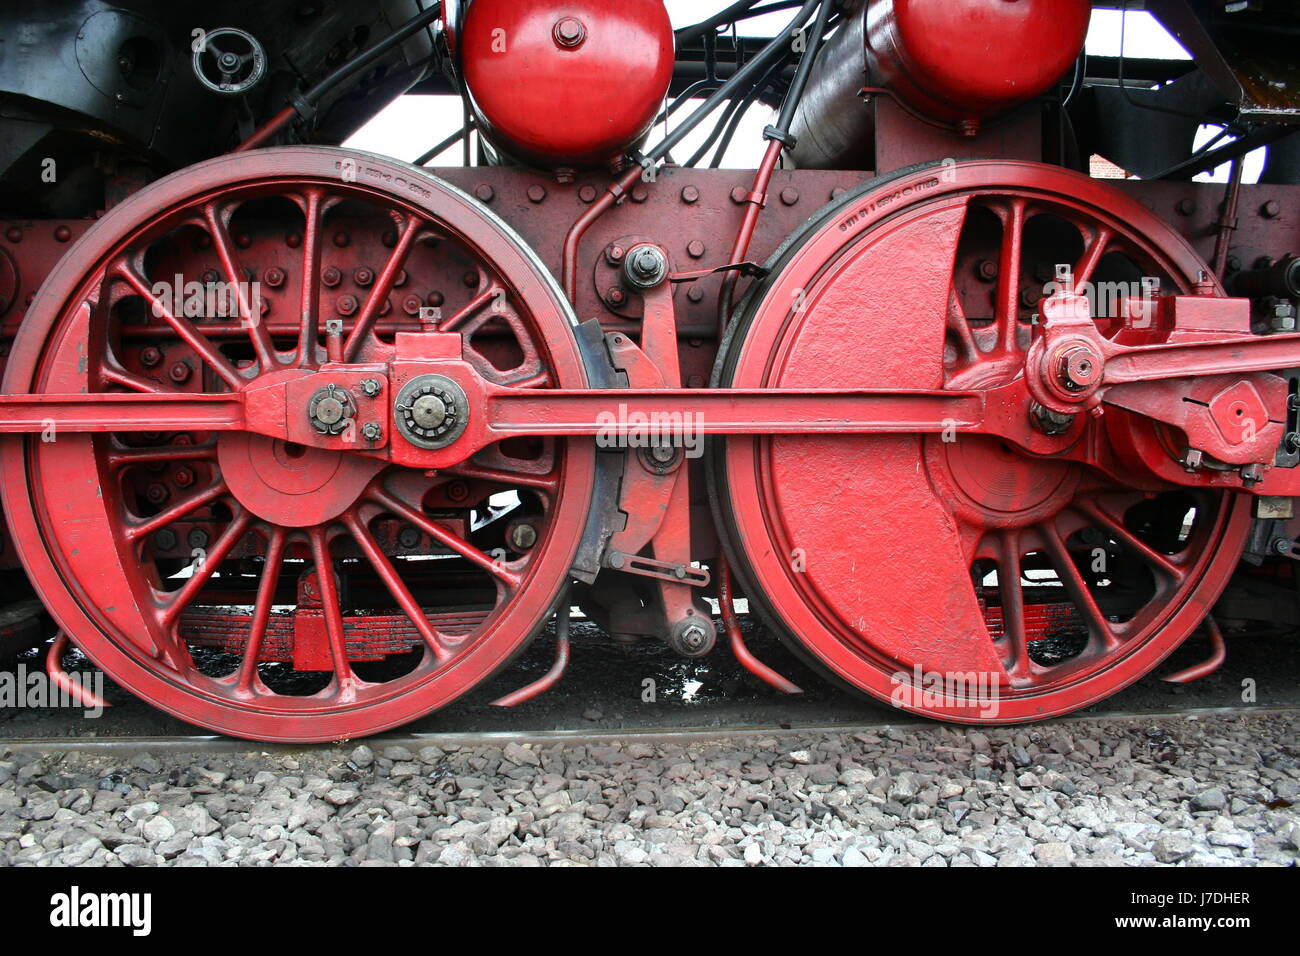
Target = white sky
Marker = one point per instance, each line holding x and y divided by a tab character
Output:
412	124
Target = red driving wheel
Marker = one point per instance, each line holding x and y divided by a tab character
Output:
955	575
250	585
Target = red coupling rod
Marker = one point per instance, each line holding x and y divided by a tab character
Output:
54	667
1218	653
549	679
747	660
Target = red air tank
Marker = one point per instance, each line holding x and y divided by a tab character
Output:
954	62
572	84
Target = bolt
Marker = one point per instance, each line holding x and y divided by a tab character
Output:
1029	296
1291	442
1271	209
210	276
399	280
363	276
587	193
640	194
434	299
243	240
1283	317
695	249
615	296
695	294
341	239
1185	207
332	276
1283	546
274	277
523	537
570	32
14	234
457	491
987	270
739	195
150	356
371	387
470	279
165	539
197	538
646	267
484	193
662	453
156	493
1078	367
1050	422
411	305
183	478
408	538
62	234
614	254
347	304
690	195
371	431
693	639
789	195
180	372
293	240
536	193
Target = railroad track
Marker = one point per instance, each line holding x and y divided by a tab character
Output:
212	744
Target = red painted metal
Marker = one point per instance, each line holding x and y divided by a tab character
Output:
889	582
1218	654
82	695
950	60
566	86
87	531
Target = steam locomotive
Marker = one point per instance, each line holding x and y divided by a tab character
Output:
973	388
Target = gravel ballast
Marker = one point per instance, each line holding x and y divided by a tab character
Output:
1210	791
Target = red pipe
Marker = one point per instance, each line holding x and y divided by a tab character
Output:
1218	653
748	660
757	200
272	126
549	679
579	229
54	667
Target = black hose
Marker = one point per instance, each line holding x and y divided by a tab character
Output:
446	144
774	51
367	57
786	117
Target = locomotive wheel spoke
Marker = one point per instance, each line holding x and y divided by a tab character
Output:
1103	633
204	568
309	319
245	679
212	493
1020	669
382	287
437	643
113	375
959	325
475	306
190	335
1162	564
125	457
1097	242
498	569
217	218
1011	255
346	683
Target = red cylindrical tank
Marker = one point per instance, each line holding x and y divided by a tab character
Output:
570	84
956	62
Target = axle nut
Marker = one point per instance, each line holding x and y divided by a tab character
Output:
431	411
645	267
331	410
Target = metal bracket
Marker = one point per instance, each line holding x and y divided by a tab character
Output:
663	570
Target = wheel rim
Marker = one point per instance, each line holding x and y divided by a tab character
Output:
903	594
207	598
